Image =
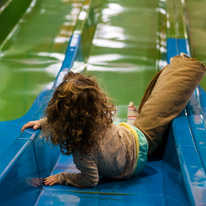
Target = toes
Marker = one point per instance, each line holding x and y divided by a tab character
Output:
131	104
184	55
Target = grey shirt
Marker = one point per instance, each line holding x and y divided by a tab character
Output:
115	158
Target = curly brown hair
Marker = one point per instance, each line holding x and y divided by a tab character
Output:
77	113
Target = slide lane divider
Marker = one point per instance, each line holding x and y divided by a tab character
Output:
189	131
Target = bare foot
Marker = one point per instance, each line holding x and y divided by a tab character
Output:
184	55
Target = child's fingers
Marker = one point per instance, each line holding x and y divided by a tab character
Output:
51	180
47	181
27	125
34	124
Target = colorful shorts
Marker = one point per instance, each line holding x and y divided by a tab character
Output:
142	147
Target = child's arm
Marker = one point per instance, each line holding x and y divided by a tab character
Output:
88	176
37	124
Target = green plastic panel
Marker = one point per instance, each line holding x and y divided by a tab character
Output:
32	53
124	53
196	16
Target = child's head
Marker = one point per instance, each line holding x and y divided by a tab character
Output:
77	113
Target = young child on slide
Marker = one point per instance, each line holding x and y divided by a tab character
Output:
79	118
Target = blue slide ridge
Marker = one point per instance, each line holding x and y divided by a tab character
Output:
190	136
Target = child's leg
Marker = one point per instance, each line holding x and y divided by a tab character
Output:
170	94
131	113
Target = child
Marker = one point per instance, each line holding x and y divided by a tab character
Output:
79	118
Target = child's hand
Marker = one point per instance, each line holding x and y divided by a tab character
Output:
51	180
35	124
